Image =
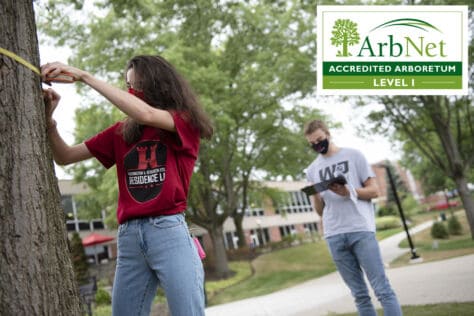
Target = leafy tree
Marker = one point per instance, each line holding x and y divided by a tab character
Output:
433	179
441	129
410	206
345	34
251	63
36	275
253	129
437	134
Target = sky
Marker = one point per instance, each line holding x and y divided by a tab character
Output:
375	148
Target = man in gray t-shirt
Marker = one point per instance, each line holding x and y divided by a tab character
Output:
349	220
358	214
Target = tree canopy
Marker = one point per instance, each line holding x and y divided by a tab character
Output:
251	63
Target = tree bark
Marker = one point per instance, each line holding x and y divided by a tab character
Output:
36	275
239	229
239	217
221	264
467	201
456	164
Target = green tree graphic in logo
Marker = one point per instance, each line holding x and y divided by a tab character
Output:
344	33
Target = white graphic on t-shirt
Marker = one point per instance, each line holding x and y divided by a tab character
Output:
145	170
333	171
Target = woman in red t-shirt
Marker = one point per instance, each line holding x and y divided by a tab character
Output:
154	150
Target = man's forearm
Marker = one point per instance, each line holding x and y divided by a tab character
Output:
318	205
368	191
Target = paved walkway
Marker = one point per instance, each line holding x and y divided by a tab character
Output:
449	280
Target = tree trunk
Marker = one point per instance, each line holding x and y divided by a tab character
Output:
36	275
467	201
238	219
221	264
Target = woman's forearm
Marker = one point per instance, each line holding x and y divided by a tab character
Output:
131	105
63	154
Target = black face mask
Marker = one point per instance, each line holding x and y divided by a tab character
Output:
322	147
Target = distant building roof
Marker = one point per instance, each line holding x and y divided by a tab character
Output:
69	187
287	185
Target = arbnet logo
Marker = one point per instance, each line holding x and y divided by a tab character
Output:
392	50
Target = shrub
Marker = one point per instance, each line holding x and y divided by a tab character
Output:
439	231
387	210
410	206
79	259
102	297
288	240
454	226
387	222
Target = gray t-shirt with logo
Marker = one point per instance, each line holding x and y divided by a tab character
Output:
344	214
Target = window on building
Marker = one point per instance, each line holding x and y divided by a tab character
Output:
282	231
292	230
97	224
298	202
254	212
84	225
310	228
259	237
287	230
231	240
71	226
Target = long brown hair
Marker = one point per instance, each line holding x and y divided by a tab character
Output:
164	88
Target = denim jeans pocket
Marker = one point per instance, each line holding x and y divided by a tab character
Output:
122	229
167	221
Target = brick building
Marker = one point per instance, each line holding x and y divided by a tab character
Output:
261	225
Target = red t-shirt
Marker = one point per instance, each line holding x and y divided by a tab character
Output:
153	173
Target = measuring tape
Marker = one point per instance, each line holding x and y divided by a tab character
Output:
64	77
20	60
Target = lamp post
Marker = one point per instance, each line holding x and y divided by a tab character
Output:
400	209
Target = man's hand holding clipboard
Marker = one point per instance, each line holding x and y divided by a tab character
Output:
324	185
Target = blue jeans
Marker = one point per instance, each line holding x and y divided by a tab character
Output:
152	252
354	254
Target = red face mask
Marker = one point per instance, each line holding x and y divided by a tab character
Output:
138	94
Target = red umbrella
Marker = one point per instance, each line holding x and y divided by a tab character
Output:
95	239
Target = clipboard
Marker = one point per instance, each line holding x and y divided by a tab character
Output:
324	185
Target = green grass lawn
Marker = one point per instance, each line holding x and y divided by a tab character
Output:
242	271
287	267
278	270
431	250
284	268
388	232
